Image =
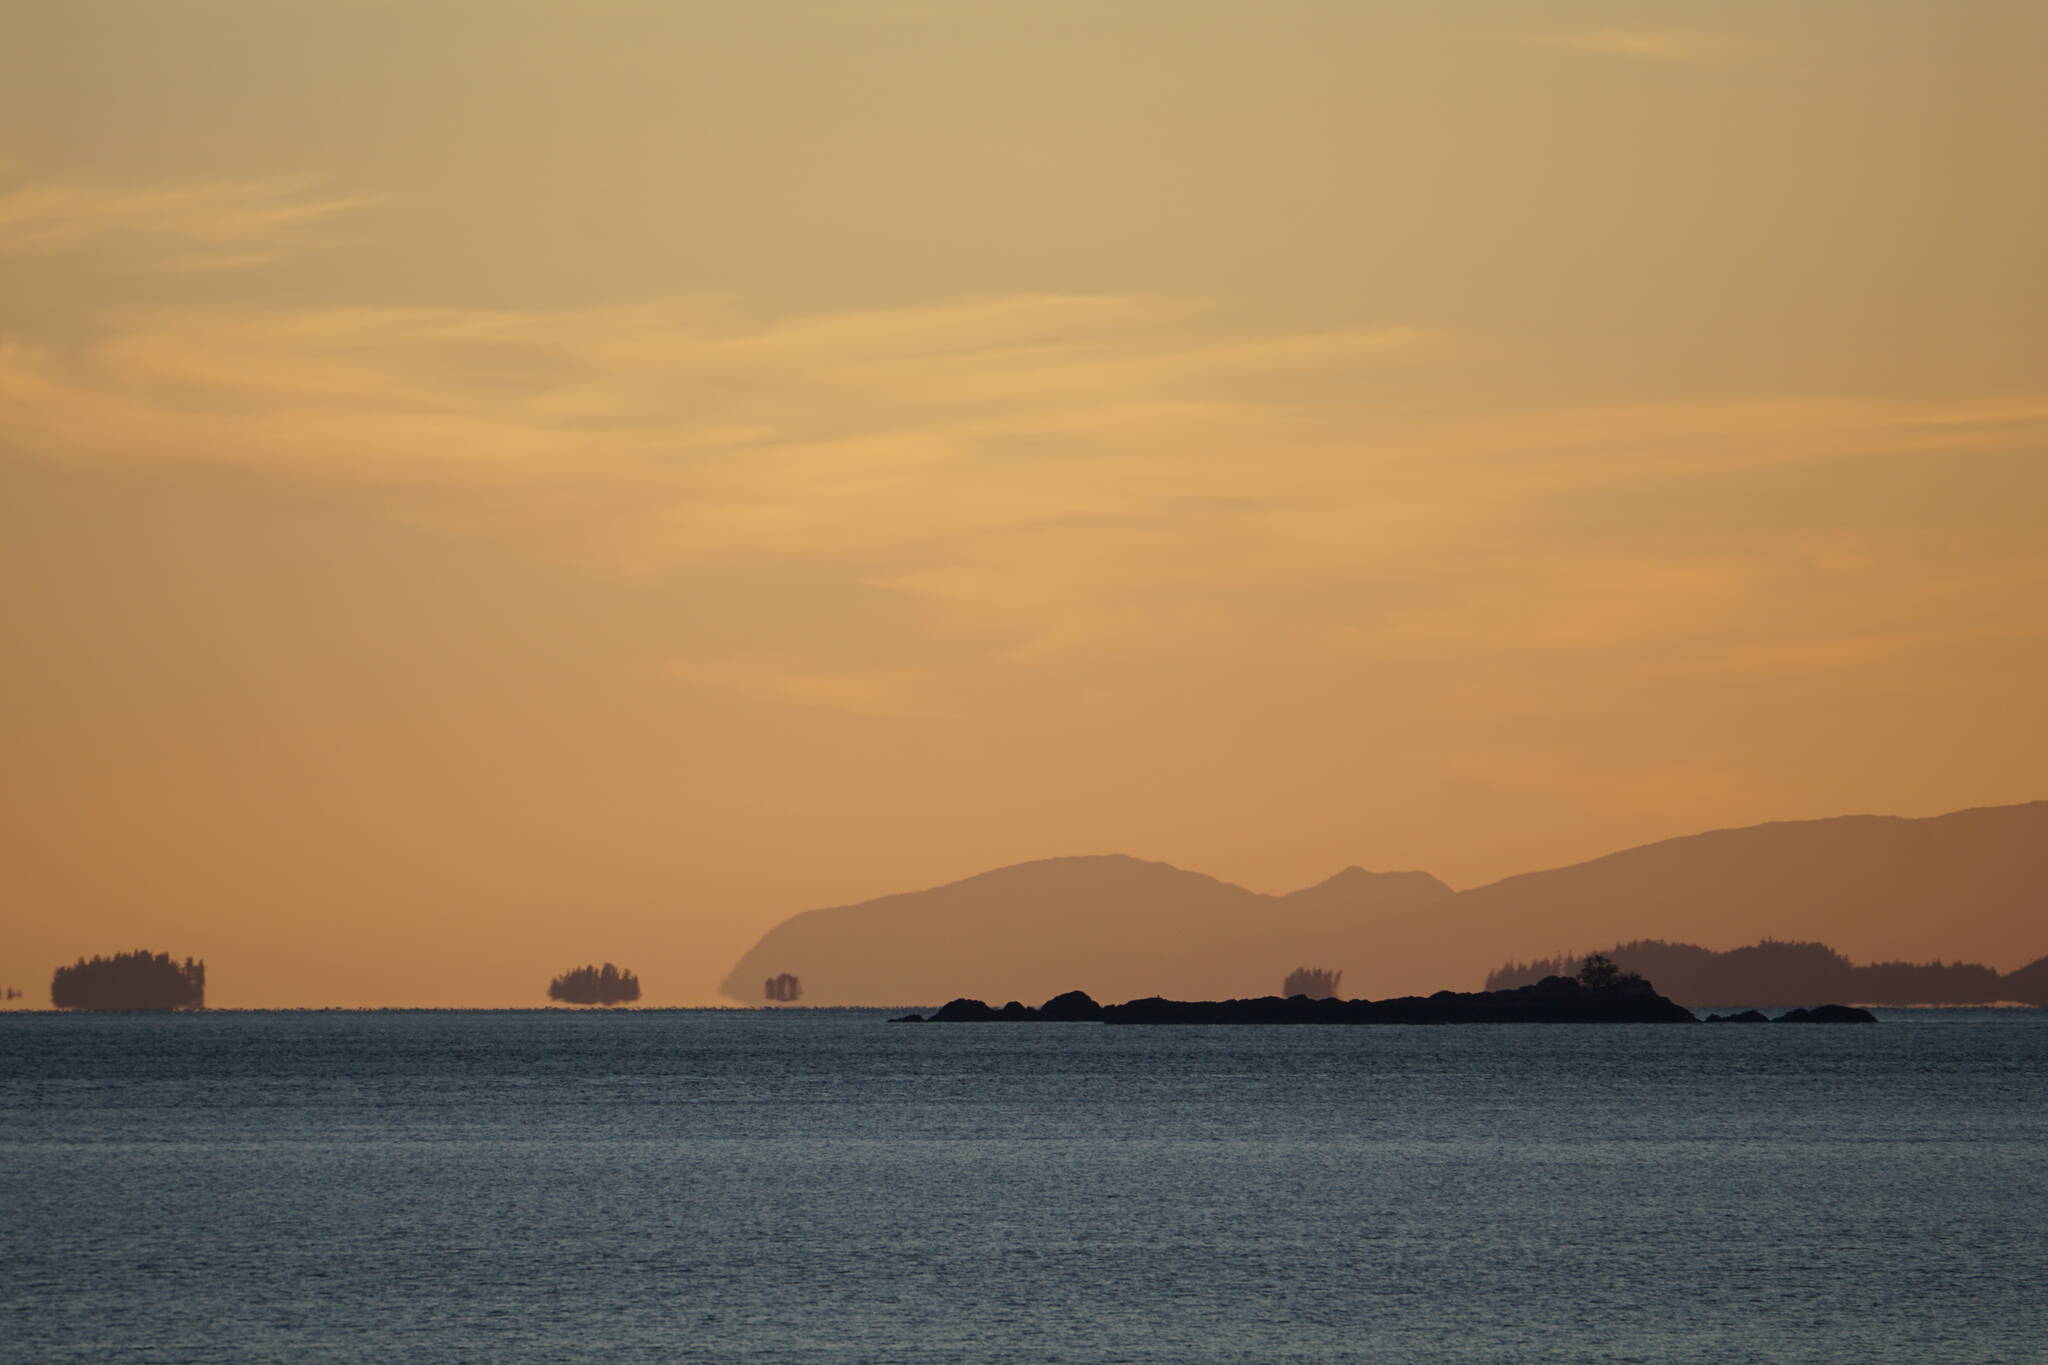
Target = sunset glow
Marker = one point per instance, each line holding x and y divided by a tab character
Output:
488	487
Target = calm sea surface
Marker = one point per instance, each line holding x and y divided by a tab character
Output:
820	1186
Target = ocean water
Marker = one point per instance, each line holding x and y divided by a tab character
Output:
802	1186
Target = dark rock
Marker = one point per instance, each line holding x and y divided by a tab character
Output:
1558	1000
1746	1017
1554	1000
909	1019
1074	1006
1828	1014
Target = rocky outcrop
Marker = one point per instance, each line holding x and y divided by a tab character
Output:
1819	1014
1074	1007
1555	1000
1827	1014
964	1011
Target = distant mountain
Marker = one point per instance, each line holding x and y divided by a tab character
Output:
2030	983
1353	889
1114	926
1972	884
1775	972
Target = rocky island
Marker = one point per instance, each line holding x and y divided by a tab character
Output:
1554	1000
1819	1014
140	980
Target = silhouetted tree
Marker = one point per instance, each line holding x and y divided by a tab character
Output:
1317	983
1598	972
606	985
783	989
140	980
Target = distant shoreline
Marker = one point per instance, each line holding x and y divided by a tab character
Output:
45	1011
51	1011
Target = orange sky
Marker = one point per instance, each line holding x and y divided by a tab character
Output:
491	486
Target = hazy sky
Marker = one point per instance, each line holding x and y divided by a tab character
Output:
490	486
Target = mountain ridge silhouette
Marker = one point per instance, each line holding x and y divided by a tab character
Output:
1778	973
1966	884
1079	929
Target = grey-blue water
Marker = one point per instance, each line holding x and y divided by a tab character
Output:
820	1186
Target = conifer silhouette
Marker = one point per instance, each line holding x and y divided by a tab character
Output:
1598	972
140	980
1317	983
606	985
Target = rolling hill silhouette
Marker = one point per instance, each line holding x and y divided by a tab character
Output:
1115	926
1878	888
1776	972
1969	885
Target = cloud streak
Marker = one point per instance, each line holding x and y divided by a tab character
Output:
204	225
1040	477
1683	47
895	692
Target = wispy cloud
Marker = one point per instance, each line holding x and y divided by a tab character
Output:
192	226
1687	47
1035	478
875	692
